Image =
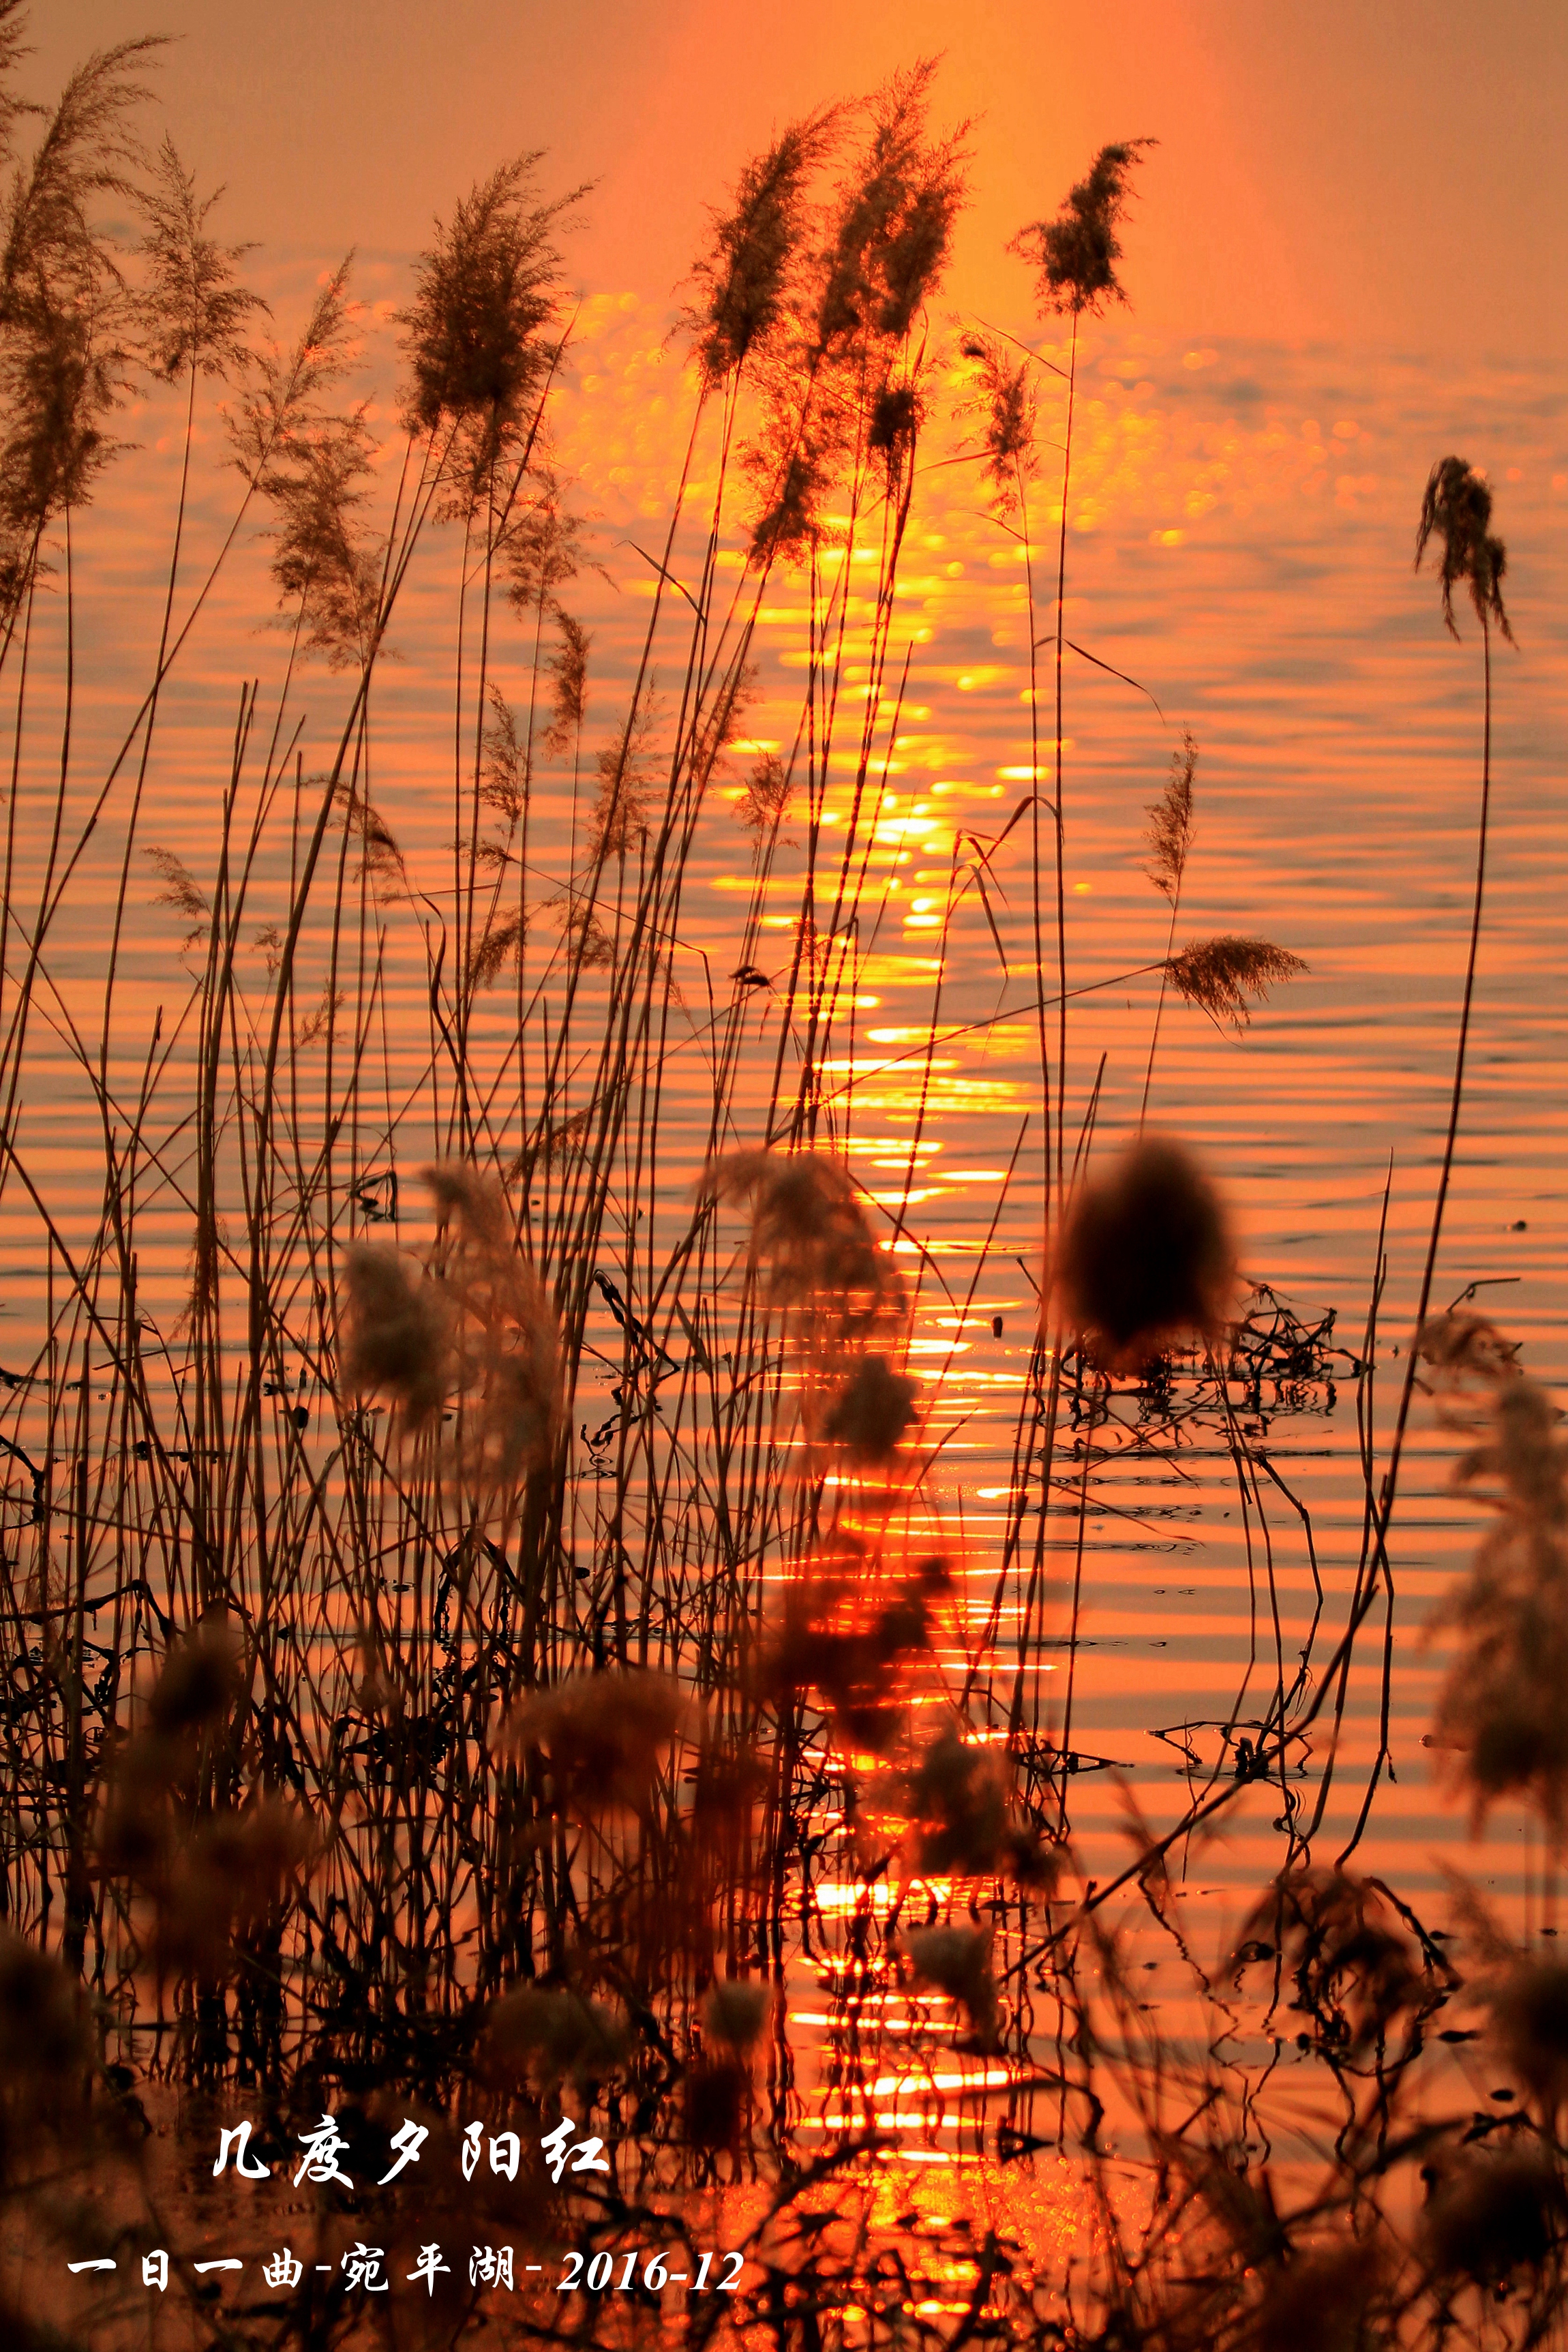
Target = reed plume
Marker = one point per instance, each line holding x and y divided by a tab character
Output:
181	892
840	378
871	1412
193	313
1075	254
326	570
600	1739
475	335
810	1235
1529	2006
506	1340
1223	977
1145	1255
854	1640
1169	837
1494	2214
1004	396
1354	1966
736	2012
281	407
744	277
549	2034
1169	841
765	796
1499	1725
397	1341
567	670
957	1961
1456	508
65	323
1075	258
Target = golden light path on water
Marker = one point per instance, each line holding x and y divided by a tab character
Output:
1240	532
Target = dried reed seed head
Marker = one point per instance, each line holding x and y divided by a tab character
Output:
765	796
889	238
954	1959
567	670
1492	2216
809	1229
474	1203
1002	395
522	1399
1146	1255
194	311
744	277
198	1683
379	855
399	1340
1456	508
542	544
1529	2007
1241	2203
872	1412
1077	253
956	1798
43	2036
485	293
234	1872
1528	1454
65	324
1500	1726
134	1831
327	571
623	812
545	2034
1168	838
1223	977
604	1736
895	420
181	892
1467	1352
1500	1723
854	1646
792	474
736	2011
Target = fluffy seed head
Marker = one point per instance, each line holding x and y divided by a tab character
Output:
1456	508
1077	253
603	1736
545	2032
1529	2022
870	1414
1146	1255
1492	2216
957	1961
397	1341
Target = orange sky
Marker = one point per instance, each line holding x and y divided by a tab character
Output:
1384	171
